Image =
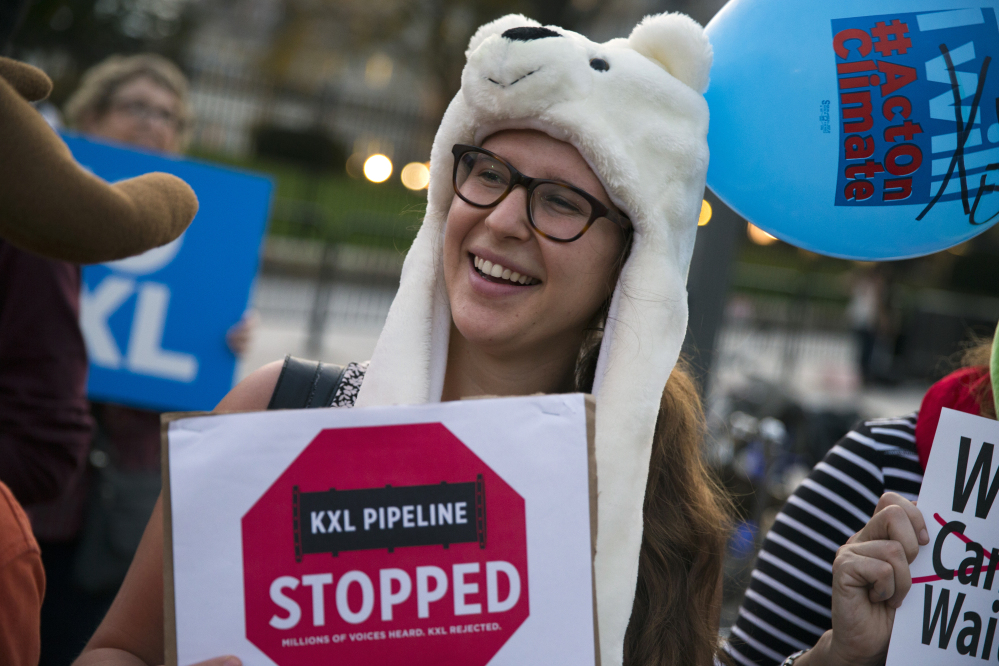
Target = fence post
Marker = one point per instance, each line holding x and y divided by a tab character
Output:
324	292
708	285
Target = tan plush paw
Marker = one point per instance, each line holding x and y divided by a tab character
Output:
30	82
51	206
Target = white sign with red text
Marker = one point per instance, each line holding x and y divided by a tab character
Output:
951	613
448	534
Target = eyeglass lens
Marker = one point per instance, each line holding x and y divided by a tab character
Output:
556	210
143	111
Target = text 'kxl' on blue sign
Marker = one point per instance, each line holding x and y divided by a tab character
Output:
155	324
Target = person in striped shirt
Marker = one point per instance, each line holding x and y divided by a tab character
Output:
787	606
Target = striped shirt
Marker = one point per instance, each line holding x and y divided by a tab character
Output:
787	606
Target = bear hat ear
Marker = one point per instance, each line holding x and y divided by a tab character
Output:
498	27
676	43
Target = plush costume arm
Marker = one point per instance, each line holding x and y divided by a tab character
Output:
49	205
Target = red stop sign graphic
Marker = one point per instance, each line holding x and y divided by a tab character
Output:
385	545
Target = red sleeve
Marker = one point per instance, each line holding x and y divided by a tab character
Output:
45	425
22	586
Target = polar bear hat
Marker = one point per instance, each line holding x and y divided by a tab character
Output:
634	109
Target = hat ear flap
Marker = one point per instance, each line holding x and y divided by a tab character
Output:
676	43
498	27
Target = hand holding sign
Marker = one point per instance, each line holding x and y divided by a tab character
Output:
893	536
870	579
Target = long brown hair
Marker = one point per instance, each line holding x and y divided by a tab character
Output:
674	620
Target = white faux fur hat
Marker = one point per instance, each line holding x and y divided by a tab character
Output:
640	121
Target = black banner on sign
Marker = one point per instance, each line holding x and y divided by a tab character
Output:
332	521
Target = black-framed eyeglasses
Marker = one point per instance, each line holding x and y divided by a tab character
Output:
558	211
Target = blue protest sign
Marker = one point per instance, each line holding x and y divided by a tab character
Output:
855	129
155	324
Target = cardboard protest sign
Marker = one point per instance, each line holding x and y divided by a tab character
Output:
951	612
155	324
449	534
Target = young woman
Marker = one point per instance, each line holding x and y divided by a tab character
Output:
566	181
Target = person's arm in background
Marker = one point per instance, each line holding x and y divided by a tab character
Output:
240	335
788	604
45	424
22	586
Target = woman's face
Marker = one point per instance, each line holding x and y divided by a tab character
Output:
567	282
141	113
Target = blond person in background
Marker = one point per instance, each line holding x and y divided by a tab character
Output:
138	100
89	534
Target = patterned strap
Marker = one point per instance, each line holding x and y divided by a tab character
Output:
793	658
306	384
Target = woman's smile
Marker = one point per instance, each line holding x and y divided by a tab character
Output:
495	272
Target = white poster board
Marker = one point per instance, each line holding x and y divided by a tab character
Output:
951	612
456	533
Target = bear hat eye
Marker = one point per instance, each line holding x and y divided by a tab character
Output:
599	64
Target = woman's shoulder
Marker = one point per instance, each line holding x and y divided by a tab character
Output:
256	390
882	437
883	450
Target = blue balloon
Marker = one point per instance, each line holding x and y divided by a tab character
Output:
858	129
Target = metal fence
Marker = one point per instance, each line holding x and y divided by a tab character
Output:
323	286
337	241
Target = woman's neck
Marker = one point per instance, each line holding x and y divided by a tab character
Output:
473	370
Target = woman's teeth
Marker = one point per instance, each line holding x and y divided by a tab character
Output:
487	267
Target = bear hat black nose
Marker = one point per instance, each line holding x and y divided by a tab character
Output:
528	34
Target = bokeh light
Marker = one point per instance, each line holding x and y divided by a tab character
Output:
961	249
415	175
355	165
759	236
378	71
377	168
705	214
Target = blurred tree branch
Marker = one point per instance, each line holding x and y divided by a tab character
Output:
430	36
83	32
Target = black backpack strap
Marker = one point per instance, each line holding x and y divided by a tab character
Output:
304	384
